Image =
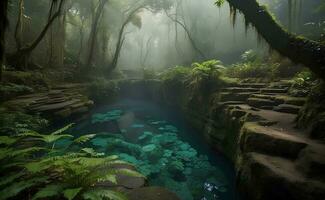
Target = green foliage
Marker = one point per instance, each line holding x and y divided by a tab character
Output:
219	3
205	75
253	66
303	78
175	73
249	56
13	123
28	167
249	70
10	90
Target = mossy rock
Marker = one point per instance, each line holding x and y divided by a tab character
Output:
256	138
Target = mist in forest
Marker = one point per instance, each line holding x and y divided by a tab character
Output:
145	34
154	37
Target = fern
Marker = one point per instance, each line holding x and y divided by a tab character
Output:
84	138
48	191
5	140
62	130
70	175
71	193
17	187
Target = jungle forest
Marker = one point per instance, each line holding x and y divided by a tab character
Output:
162	99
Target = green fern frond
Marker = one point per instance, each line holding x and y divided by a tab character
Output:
129	172
109	177
48	191
53	138
70	194
84	138
17	187
62	129
9	179
6	140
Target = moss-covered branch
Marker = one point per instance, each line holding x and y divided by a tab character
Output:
298	49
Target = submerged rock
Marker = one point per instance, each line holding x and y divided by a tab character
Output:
152	193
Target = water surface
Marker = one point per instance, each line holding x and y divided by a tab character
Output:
165	148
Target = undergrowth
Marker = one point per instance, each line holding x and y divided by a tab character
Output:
32	166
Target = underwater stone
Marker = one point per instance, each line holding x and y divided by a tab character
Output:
106	117
149	148
145	135
99	141
137	126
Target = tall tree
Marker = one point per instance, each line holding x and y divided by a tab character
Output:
21	58
130	16
97	13
298	49
3	26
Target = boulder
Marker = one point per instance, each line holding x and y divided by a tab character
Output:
256	138
151	193
263	177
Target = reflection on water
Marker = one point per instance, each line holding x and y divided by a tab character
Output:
163	147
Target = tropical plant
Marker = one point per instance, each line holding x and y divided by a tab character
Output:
31	165
205	74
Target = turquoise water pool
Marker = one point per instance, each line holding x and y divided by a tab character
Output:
163	147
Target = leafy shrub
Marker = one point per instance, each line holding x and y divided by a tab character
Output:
249	70
250	56
31	165
302	83
149	73
14	123
205	75
175	73
10	90
35	80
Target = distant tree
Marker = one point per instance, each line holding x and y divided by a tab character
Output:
97	12
182	23
130	17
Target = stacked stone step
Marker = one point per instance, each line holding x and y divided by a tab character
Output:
272	96
270	146
60	102
285	161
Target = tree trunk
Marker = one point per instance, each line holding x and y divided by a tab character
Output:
3	26
121	39
298	49
19	25
21	57
188	33
94	30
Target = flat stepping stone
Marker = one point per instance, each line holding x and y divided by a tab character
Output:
253	85
259	103
240	89
274	90
286	108
278	178
241	96
312	162
57	106
231	103
257	138
151	193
